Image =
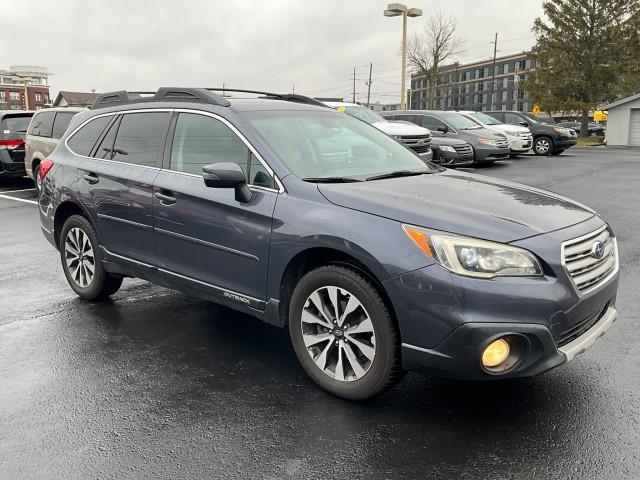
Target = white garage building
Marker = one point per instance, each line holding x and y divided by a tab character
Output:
623	124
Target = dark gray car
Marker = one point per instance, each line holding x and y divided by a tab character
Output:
305	217
488	146
451	152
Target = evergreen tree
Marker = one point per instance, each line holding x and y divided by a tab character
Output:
587	52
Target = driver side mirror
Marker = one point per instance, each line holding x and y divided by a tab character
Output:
443	129
524	124
227	175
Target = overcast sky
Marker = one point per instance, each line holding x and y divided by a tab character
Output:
268	45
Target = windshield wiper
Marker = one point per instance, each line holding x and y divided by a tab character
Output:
331	179
396	174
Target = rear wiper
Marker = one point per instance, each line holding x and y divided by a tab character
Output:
397	173
331	179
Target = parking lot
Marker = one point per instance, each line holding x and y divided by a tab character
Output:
155	384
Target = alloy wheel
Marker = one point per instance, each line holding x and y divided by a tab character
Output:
79	256
338	333
542	146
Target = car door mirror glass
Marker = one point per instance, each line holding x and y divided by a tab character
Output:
524	124
227	175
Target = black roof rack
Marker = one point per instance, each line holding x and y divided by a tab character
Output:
197	95
289	97
169	94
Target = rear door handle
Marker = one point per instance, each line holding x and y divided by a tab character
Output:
165	199
92	178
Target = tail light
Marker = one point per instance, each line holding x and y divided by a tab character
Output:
44	168
11	144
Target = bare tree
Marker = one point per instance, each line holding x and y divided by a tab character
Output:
437	44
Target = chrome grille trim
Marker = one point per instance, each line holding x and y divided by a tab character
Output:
587	272
502	143
464	150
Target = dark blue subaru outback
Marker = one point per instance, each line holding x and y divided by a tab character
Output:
303	216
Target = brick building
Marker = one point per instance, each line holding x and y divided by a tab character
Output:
24	88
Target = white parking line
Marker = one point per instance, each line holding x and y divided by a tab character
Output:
33	202
16	191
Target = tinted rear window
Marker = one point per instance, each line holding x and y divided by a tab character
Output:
83	140
61	123
41	124
141	137
15	123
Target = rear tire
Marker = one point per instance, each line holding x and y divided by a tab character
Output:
36	178
353	353
81	261
543	145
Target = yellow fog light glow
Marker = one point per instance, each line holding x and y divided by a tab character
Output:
495	353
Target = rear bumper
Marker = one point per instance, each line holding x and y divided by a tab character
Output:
9	167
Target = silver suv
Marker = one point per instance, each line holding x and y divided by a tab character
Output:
45	130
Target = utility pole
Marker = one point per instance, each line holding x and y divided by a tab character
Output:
493	73
293	88
369	84
354	84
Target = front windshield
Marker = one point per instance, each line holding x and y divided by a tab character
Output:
459	121
364	114
485	119
532	118
322	144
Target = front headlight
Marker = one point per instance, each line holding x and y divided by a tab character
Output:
447	148
562	131
512	134
473	257
397	137
486	141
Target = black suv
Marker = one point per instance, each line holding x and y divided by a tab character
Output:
13	130
547	139
302	216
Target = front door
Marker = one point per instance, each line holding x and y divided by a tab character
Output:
204	235
117	181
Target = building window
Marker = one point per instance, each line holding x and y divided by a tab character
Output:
14	96
38	97
2	95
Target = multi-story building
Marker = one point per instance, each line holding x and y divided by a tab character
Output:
469	86
24	88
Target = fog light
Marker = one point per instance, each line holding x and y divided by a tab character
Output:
496	353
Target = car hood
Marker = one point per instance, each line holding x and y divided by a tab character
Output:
462	203
447	141
401	128
508	128
483	132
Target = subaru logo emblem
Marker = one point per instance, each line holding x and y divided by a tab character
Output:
597	250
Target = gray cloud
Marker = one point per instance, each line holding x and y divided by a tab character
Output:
140	45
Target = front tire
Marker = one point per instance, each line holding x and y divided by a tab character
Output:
543	145
343	334
81	262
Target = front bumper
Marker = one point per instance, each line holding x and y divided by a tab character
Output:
565	142
489	153
452	159
520	145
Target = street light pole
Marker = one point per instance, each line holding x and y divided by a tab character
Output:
395	10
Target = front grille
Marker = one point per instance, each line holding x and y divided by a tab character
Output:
502	144
464	150
526	136
583	264
417	143
581	327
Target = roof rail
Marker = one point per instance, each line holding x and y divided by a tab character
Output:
289	97
169	94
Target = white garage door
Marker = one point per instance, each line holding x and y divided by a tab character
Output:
634	127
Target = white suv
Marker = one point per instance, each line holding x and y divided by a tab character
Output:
410	135
520	138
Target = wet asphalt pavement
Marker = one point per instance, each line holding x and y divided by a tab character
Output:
158	385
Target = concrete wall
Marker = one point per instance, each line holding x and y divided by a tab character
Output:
618	123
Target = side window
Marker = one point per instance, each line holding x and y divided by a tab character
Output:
498	115
432	123
141	137
61	123
258	175
83	140
105	149
42	123
200	140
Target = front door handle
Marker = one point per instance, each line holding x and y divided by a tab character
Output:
91	178
165	199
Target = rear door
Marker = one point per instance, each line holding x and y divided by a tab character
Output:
204	236
116	181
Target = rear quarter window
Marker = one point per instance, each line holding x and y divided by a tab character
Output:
61	123
82	142
42	124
